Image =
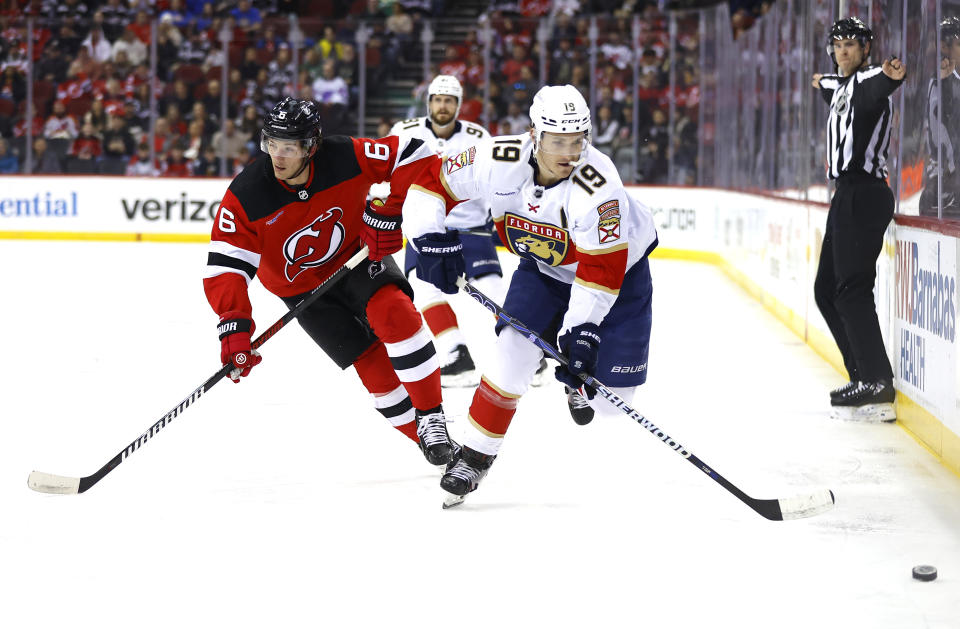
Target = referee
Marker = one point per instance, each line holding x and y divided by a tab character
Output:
858	137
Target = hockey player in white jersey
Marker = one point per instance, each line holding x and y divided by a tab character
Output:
584	277
443	132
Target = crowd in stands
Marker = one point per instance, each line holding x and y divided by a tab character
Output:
91	72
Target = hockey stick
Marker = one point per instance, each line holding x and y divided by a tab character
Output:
802	506
54	484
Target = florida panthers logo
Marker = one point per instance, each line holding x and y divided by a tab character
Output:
542	242
315	244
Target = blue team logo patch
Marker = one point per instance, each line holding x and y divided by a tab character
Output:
541	242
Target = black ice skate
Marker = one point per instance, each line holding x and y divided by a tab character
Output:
839	391
465	475
867	401
460	371
434	441
580	409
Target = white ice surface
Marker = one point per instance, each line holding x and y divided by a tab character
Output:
287	501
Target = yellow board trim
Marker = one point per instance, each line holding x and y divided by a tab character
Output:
917	422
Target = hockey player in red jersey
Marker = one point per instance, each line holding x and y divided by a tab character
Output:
293	217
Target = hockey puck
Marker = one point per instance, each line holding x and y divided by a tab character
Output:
924	573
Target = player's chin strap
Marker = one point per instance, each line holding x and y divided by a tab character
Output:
802	506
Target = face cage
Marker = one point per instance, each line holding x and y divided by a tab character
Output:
285	147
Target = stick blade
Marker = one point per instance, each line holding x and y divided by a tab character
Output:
53	484
807	505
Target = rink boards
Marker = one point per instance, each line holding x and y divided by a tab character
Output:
770	245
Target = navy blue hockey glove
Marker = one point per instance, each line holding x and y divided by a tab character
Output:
441	260
580	345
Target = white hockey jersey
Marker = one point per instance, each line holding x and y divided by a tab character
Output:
465	134
585	230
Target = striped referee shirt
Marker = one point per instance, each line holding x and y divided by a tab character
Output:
858	129
942	124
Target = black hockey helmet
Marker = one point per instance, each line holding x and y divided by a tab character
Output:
848	28
293	119
950	28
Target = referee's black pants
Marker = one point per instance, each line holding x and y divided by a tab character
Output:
859	214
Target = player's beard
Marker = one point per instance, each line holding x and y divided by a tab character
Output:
441	119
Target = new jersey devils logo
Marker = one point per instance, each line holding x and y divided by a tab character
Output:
314	244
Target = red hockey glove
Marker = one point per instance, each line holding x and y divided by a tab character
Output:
381	232
235	331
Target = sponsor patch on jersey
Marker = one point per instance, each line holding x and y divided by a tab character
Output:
540	242
462	160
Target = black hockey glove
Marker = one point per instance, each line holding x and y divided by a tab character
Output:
580	345
381	232
441	260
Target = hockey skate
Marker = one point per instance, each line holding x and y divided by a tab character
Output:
580	409
459	370
839	391
866	402
465	475
435	442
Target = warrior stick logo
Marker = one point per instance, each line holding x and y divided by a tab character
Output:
166	419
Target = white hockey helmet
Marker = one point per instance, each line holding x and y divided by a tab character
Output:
445	85
559	109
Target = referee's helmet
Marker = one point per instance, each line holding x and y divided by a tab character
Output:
848	28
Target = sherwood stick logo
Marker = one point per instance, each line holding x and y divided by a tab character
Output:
166	419
643	421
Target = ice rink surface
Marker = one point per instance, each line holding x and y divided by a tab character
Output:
287	501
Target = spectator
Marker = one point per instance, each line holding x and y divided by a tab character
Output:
117	141
140	164
516	119
176	163
96	116
312	63
616	52
330	89
116	15
247	16
45	161
88	142
452	64
134	49
472	107
96	42
60	125
332	93
12	85
207	164
199	113
605	130
178	97
230	139
383	127
141	27
250	66
195	141
9	162
328	45
399	27
250	123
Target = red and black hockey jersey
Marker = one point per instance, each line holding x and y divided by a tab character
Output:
295	238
